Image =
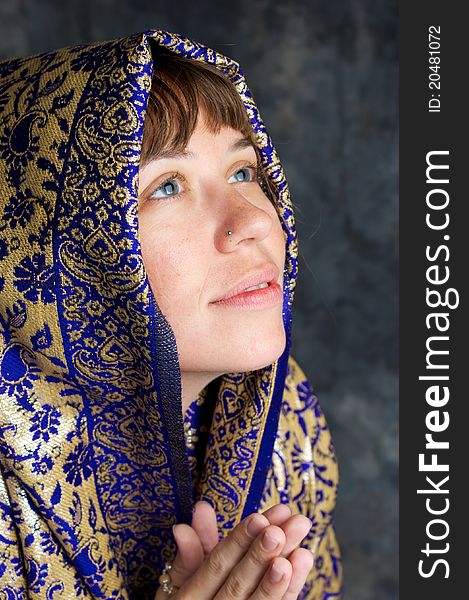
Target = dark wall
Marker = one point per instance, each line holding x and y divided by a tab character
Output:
324	75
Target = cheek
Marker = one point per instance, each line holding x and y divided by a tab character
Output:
277	230
280	239
159	251
172	271
163	265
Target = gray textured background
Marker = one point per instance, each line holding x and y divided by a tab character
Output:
324	75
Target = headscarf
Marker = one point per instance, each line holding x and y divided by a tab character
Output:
95	460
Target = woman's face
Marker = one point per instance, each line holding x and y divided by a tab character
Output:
186	205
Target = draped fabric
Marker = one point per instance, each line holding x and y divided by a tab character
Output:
97	461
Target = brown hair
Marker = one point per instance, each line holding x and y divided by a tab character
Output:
180	88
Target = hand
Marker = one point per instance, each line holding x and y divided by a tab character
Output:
238	566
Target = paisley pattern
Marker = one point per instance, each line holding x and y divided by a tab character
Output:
95	467
304	474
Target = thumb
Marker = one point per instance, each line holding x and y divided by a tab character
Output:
190	553
204	523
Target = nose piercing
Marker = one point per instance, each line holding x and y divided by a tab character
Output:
229	232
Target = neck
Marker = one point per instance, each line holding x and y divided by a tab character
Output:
192	384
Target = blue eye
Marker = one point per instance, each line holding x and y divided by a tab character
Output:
252	177
169	188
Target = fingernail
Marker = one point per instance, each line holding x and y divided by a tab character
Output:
198	504
174	530
269	542
276	574
255	525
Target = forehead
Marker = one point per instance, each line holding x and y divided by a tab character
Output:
227	139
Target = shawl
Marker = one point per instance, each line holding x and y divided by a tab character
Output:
95	460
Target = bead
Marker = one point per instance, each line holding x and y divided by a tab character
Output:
165	578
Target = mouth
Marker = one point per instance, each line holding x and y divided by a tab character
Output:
258	298
258	288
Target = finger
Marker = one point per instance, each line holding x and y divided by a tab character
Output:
218	565
190	554
296	528
244	578
275	582
302	561
278	514
188	559
204	523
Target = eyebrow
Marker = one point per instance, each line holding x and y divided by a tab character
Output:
244	142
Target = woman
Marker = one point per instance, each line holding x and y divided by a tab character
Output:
139	189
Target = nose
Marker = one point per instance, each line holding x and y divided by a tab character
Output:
248	222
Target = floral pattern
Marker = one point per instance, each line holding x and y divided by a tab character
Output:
94	466
45	422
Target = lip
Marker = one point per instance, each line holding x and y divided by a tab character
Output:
256	299
268	273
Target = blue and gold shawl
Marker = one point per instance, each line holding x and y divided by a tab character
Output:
95	462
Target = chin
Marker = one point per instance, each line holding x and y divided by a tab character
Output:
239	351
260	355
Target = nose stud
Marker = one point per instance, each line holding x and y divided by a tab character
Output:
229	232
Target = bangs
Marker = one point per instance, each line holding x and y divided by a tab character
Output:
180	89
